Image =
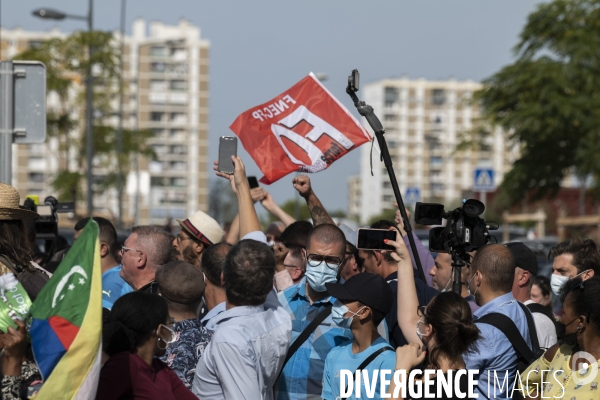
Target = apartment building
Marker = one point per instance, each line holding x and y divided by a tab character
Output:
424	121
166	76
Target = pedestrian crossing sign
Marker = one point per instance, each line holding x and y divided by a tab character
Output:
484	180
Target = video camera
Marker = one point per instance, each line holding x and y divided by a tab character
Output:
465	230
46	225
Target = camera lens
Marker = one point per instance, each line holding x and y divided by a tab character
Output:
473	208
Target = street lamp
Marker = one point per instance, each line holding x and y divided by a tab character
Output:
46	13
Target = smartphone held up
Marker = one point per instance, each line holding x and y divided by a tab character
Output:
227	148
373	239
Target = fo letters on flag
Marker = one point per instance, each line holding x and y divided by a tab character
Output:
303	129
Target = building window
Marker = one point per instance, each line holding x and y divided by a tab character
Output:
391	94
157	67
158	84
179	85
178	149
159	51
438	97
387	199
178	182
178	118
36	177
436	160
157	181
156	116
390	117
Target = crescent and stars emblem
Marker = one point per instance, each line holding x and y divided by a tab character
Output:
63	282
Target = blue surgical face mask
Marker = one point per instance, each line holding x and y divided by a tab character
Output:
337	315
318	276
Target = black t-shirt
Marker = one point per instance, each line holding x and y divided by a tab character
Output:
424	294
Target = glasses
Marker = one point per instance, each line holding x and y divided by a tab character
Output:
181	238
165	333
332	262
126	249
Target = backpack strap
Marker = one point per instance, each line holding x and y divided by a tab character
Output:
306	333
531	325
508	327
369	359
540	309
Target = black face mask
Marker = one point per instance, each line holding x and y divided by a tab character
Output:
571	338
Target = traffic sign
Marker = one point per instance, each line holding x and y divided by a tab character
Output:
412	195
484	180
22	108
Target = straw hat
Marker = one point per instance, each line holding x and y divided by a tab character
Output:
203	227
9	205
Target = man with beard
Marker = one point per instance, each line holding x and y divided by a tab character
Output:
198	232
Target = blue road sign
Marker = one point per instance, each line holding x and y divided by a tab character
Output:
412	195
484	180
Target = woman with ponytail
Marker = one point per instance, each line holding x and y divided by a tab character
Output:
136	333
438	335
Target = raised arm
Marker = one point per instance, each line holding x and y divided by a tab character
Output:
427	261
408	302
269	204
317	211
248	218
234	231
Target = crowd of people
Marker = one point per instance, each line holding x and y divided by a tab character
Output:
279	314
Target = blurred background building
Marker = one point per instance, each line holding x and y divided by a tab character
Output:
424	121
166	79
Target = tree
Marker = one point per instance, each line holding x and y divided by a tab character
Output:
222	202
67	63
548	100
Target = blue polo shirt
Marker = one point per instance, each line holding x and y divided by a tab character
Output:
112	286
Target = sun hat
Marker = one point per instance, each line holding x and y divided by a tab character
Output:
9	205
202	227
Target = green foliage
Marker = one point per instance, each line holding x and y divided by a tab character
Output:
548	99
290	207
387	214
67	62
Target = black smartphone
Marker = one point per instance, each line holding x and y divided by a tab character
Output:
252	182
429	213
372	239
227	148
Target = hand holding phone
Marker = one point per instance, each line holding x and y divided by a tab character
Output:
227	148
373	239
253	182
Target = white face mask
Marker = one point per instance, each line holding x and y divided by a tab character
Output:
419	334
445	289
469	285
558	281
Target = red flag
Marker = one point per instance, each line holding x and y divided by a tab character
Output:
304	129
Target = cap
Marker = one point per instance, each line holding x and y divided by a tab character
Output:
202	227
349	233
180	282
370	289
524	257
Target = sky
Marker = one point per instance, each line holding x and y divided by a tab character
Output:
260	48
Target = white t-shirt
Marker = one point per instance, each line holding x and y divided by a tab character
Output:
546	330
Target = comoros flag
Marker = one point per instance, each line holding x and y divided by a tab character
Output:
66	331
304	129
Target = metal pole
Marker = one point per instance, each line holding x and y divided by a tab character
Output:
483	199
6	118
90	115
120	131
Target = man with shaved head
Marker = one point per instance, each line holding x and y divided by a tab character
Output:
302	375
493	271
214	295
182	286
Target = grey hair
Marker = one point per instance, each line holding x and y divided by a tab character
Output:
155	242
